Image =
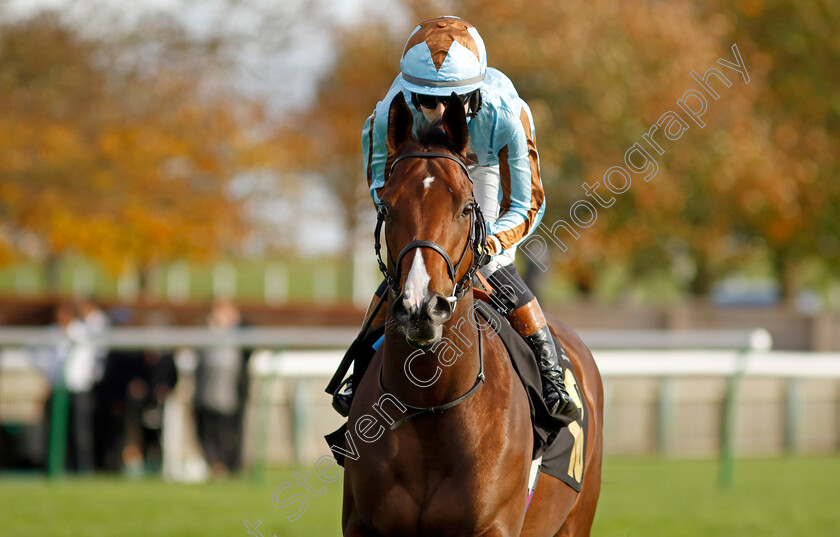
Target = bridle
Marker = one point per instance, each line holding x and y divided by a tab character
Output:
476	240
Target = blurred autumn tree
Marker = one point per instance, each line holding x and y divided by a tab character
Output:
757	181
598	75
123	146
126	159
331	142
789	194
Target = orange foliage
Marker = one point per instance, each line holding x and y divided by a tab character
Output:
759	178
126	167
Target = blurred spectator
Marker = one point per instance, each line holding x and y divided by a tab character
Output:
80	375
221	384
50	361
121	365
71	364
160	376
96	323
130	399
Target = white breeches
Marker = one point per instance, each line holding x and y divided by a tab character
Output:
486	182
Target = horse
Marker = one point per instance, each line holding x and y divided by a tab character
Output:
457	461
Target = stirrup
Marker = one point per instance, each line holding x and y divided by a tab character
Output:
556	395
559	402
341	402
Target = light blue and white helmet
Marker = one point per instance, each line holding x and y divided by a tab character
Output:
443	55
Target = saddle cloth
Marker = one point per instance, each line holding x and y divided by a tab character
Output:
558	441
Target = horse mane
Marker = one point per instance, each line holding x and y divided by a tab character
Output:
434	135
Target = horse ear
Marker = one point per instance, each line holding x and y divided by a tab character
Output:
400	123
455	123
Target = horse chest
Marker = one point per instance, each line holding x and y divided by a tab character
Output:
438	485
449	508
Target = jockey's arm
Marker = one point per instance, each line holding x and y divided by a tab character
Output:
375	155
523	201
374	147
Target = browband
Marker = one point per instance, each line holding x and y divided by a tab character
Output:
432	154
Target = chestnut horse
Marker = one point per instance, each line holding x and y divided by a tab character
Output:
457	461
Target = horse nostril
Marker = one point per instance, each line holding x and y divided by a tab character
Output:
439	309
435	309
400	311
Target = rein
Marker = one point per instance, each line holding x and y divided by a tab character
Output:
477	239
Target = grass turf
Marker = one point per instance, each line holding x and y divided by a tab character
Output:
769	498
639	498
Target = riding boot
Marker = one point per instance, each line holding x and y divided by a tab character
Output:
529	322
374	316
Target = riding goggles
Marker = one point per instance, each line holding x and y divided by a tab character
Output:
432	101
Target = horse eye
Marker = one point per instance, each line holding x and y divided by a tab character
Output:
468	208
386	215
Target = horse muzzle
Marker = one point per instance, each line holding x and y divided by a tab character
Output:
423	323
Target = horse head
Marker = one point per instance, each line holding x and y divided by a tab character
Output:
434	231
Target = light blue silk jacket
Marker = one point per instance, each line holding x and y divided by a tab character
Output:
502	134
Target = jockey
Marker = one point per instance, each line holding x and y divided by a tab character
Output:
445	55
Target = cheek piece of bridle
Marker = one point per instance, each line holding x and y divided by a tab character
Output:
476	240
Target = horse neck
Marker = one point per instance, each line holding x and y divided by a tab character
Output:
438	375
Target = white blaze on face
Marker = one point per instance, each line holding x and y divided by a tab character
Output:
417	283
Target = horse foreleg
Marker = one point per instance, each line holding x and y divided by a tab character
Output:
351	523
550	507
354	528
